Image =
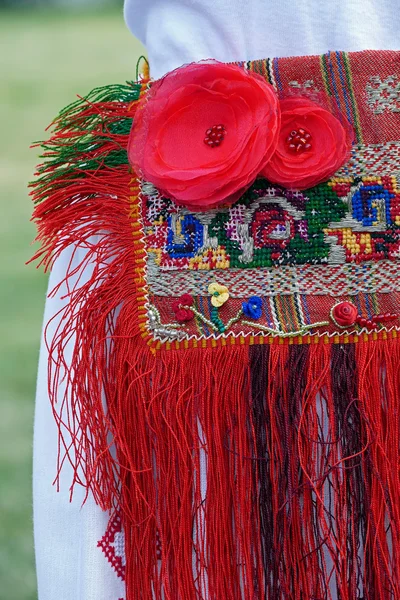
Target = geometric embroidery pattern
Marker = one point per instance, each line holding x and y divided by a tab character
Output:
383	95
373	159
112	544
346	279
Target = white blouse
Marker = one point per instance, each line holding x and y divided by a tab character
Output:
179	31
70	563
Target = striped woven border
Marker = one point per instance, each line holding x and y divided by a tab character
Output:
345	78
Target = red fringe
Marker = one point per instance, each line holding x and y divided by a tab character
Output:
268	472
322	543
88	209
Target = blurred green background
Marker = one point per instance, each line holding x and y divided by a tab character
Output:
48	55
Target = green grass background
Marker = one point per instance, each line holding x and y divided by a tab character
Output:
45	60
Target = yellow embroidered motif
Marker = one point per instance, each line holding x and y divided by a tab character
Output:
219	294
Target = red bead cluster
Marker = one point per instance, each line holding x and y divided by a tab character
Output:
299	140
345	314
215	135
375	319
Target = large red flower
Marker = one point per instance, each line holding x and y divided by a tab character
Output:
204	132
313	144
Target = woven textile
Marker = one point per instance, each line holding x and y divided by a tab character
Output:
339	240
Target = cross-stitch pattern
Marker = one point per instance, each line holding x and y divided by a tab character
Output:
283	237
113	545
344	220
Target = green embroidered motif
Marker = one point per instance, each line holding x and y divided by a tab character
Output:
284	228
343	220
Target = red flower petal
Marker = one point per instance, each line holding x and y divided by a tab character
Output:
166	145
183	314
330	146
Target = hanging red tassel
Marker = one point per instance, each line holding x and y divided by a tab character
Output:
300	470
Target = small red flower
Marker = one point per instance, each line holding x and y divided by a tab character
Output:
204	132
313	144
344	314
183	314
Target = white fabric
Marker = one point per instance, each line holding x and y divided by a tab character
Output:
70	566
180	31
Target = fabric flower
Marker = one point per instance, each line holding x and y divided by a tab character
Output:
219	294
204	132
183	314
344	314
253	307
313	144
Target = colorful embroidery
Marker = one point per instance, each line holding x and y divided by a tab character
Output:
344	220
338	280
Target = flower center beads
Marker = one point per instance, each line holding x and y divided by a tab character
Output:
299	140
215	135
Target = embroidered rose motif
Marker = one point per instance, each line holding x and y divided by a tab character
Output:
272	227
344	314
313	144
253	307
219	294
183	314
204	132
